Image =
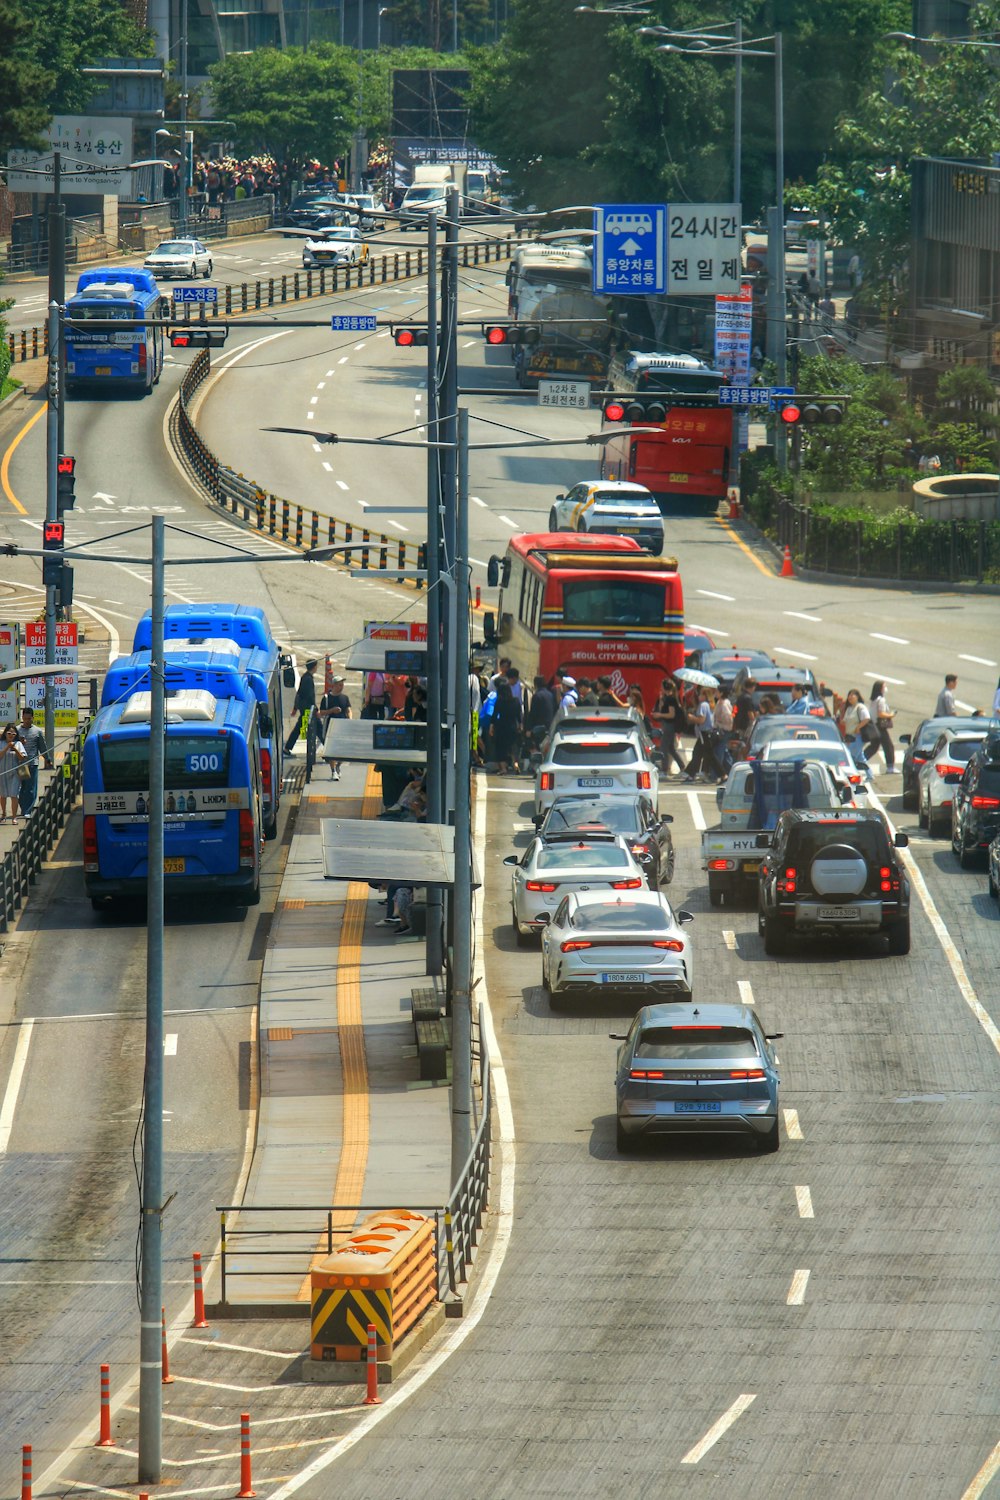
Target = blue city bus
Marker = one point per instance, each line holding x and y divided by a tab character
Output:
220	665
129	360
216	627
213	815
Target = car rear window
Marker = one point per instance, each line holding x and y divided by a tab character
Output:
612	815
960	750
989	781
595	753
809	839
623	916
585	856
830	755
698	1043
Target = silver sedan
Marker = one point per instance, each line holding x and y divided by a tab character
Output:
616	946
573	861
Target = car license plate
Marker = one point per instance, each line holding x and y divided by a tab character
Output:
628	530
592	781
839	914
623	976
751	866
174	866
102	370
678	479
699	1107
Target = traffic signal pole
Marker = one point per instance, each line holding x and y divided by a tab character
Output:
51	512
448	434
435	789
461	999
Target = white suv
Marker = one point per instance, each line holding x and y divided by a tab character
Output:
611	508
599	763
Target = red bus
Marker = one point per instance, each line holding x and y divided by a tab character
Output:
685	464
592	606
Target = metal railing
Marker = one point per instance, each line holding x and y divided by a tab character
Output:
21	866
876	547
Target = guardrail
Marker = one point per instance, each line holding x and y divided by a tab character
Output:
300	286
21	866
457	1224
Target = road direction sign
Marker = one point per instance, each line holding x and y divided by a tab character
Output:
575	393
196	294
745	395
630	249
353	323
88	147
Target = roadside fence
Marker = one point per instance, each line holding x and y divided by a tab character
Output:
300	286
886	548
21	866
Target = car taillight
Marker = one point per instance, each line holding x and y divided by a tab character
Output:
787	881
246	838
142	356
571	945
90	859
673	945
920	760
888	879
722	864
639	850
855	779
991	802
947	770
540	885
626	885
748	1073
548	781
265	766
643	781
647	1073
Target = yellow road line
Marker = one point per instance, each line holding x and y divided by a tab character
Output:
5	466
767	572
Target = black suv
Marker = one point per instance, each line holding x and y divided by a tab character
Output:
646	831
975	807
832	871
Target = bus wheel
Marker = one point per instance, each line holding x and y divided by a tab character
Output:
553	521
254	897
271	828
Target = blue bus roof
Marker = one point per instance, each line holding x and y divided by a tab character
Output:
142	281
244	623
230	713
222	676
256	665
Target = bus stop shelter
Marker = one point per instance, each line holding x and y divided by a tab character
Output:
403	853
370	656
353	740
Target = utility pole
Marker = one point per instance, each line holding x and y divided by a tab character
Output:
182	197
52	510
461	1000
151	1294
448	430
777	335
435	794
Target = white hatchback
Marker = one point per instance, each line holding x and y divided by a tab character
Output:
942	771
606	764
549	869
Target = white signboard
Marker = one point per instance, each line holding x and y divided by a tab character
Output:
86	147
574	393
9	643
704	241
733	327
64	689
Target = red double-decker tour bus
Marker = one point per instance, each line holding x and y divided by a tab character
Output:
591	606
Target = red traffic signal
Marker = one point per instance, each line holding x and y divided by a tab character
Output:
496	335
406	338
614	412
791	413
66	464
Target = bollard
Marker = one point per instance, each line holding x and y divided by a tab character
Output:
372	1397
200	1321
246	1491
479	597
105	1440
165	1376
26	1472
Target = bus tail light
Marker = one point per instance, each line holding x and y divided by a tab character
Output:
265	766
547	782
643	781
247	839
142	356
91	863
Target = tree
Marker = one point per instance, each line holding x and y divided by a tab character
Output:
25	85
68	35
294	104
966	395
429	23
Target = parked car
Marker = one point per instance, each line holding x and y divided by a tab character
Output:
596	944
941	772
919	745
179	258
686	1069
646	831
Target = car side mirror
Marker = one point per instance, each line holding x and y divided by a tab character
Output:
490	627
545	918
665	818
560	497
493	572
720	792
905	739
512	859
288	677
773	1036
762	841
684	917
901	841
617	1036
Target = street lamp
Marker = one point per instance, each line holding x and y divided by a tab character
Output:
383	10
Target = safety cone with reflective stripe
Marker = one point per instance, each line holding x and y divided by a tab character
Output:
26	1472
787	571
105	1440
372	1397
246	1490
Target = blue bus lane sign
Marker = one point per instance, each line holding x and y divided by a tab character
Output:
196	294
630	249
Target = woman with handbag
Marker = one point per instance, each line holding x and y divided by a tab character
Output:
859	732
14	768
882	716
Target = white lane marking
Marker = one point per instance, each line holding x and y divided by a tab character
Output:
504	1212
795	614
787	651
897	640
187	1338
399	525
328	466
712	1436
697	815
980	661
343	359
361	345
966	707
418	396
329	373
951	953
478	562
316	448
746	992
170	1044
14	1083
310	416
342	486
729	938
709	594
469	311
896	681
313	400
508	522
793	1130
797	1290
990	1468
468	343
804	1203
321	385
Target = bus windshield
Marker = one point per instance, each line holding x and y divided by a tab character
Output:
190	761
612	601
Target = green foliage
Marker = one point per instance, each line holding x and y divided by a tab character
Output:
869	449
429	23
25	85
965	395
68	35
293	103
965	447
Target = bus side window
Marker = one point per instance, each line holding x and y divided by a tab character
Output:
522	613
510	273
536	612
633	454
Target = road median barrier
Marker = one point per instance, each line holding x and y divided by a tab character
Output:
384	1275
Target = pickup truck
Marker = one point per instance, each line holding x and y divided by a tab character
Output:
750	803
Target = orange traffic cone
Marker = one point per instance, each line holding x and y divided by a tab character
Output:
787	571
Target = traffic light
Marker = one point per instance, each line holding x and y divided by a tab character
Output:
64	589
830	412
636	411
790	413
410	337
53	541
197	336
65	482
810	410
511	333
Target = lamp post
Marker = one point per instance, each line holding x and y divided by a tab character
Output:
383	10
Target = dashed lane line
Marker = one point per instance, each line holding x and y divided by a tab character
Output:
14	1083
746	992
881	677
729	938
980	661
896	640
804	655
793	1130
797	1290
697	815
718	1429
804	1203
796	614
710	594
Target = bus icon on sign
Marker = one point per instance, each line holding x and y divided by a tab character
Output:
628	224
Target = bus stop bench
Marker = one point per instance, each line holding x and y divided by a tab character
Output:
425	1005
433	1045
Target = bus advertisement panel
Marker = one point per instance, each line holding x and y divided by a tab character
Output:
592	606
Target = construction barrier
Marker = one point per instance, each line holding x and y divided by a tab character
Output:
384	1276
